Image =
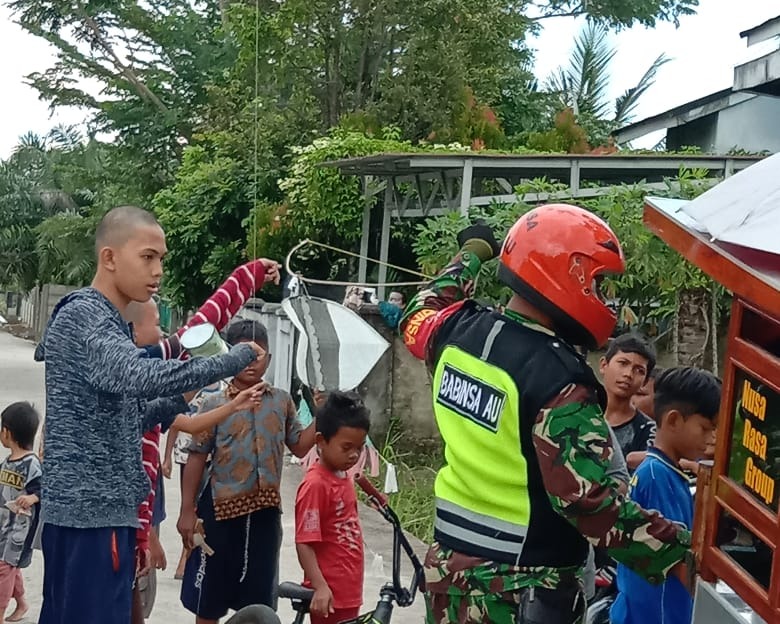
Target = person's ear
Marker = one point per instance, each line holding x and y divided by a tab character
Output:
602	364
107	258
674	419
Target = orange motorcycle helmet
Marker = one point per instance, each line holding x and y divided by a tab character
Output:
555	257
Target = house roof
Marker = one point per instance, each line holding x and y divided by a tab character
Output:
683	114
762	32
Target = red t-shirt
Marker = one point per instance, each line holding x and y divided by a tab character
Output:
326	518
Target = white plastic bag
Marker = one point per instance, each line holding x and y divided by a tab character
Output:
377	566
391	481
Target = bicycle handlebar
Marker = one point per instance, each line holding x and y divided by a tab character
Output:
374	495
404	596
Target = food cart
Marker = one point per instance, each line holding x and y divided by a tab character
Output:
737	526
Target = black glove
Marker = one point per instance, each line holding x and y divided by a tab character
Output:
479	239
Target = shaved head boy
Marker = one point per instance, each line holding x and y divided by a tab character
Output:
101	394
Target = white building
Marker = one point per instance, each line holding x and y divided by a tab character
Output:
741	117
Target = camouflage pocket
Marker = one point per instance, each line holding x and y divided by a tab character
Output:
552	606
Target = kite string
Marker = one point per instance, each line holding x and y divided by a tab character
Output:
256	150
310	280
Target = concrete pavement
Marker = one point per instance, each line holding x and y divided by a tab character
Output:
22	379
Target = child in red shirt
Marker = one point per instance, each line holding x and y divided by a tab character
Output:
328	536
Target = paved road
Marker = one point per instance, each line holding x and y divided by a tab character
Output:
22	379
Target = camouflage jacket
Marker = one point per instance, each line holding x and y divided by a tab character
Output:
574	448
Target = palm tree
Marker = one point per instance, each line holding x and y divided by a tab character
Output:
21	209
65	248
39	182
583	84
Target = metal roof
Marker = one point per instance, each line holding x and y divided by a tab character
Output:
529	165
752	274
683	114
768	29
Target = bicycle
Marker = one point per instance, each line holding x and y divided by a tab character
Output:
392	593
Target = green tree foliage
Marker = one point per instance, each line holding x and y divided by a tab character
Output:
155	68
583	84
65	246
395	63
36	183
53	190
146	66
202	214
524	107
202	102
208	210
646	293
319	202
567	136
620	13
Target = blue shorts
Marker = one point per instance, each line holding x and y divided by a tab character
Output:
158	508
87	575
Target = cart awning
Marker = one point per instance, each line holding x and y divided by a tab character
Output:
744	209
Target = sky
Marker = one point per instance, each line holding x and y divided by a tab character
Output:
705	49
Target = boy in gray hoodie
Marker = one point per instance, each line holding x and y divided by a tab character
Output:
102	393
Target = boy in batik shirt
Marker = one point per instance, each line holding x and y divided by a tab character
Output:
240	506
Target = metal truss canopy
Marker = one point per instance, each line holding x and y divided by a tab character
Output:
430	184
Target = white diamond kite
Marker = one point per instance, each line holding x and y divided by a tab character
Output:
336	348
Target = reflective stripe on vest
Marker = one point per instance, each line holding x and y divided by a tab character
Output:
481	492
470	527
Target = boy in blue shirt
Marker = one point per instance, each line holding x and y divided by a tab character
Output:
687	401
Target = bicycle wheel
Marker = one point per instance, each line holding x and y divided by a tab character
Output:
255	614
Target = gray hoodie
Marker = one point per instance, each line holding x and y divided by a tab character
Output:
102	393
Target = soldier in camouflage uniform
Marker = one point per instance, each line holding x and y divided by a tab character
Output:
525	485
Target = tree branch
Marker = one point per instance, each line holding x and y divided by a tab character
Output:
125	70
580	9
575	13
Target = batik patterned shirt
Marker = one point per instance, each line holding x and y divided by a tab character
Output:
247	452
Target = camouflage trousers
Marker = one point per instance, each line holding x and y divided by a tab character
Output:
467	590
527	606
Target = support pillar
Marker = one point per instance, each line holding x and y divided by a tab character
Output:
574	180
366	230
384	245
465	188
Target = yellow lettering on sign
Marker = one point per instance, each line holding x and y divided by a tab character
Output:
760	482
754	440
753	402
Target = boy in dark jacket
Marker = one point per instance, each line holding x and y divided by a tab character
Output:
101	394
625	367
